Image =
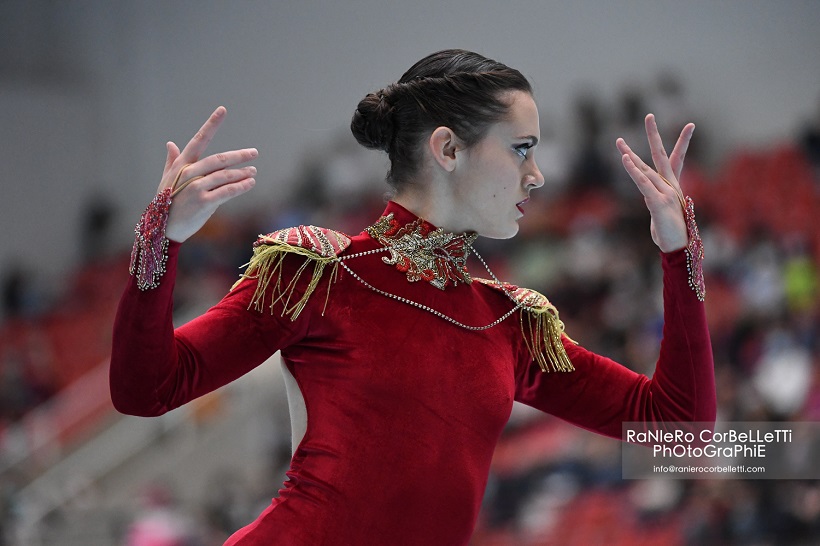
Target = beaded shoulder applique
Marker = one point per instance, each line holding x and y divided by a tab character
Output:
424	253
529	299
327	243
319	246
540	325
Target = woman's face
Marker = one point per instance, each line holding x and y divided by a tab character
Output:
493	178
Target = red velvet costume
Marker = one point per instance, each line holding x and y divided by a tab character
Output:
404	408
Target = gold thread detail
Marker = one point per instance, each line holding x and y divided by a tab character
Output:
540	325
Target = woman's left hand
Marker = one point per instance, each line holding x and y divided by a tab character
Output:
663	197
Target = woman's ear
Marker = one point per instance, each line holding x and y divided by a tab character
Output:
443	145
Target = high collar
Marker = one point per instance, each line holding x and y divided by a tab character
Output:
420	249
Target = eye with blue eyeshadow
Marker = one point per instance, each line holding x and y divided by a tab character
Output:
523	149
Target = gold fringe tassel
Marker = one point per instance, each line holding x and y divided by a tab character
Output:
266	265
542	330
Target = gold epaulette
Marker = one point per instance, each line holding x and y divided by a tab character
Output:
540	326
319	246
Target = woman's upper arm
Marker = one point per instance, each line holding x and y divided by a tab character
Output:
155	368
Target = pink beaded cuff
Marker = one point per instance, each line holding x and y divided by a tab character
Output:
694	252
150	251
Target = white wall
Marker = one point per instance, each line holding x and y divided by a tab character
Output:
91	90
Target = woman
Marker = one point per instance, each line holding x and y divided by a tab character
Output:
401	368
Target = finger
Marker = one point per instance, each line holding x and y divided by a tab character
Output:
645	185
622	146
659	157
220	161
226	192
214	180
644	176
218	179
679	151
199	142
640	167
172	153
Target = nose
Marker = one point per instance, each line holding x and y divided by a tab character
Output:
534	179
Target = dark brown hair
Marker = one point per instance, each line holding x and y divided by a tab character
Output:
454	88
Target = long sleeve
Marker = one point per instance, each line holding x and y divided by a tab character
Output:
155	368
601	394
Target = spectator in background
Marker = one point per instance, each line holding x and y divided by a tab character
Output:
160	523
810	139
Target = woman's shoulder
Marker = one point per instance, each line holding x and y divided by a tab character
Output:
306	240
278	268
524	297
315	242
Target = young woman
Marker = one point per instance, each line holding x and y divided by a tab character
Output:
401	368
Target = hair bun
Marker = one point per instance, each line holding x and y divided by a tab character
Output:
372	122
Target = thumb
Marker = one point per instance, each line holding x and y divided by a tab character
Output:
172	155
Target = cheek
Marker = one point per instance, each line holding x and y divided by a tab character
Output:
495	178
501	189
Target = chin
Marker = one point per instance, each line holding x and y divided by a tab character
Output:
501	232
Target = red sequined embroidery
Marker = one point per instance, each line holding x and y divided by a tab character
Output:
694	252
150	251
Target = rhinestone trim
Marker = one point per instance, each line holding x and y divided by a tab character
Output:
518	304
149	254
694	252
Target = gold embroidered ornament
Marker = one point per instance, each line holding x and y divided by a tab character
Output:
434	256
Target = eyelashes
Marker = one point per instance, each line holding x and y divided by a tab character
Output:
523	150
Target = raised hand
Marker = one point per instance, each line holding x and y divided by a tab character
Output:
201	185
660	186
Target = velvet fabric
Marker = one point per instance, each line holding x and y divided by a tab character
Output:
404	408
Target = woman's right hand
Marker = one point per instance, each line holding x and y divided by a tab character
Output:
216	179
659	186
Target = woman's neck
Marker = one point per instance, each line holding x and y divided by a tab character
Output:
435	207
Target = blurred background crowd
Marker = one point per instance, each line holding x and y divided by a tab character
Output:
74	472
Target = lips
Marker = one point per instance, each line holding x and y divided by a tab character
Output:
520	205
